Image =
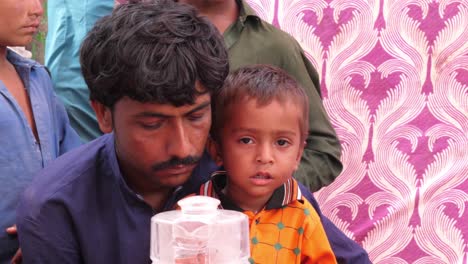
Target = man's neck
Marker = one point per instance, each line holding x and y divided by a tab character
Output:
221	13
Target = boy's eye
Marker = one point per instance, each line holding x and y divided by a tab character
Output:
246	140
282	142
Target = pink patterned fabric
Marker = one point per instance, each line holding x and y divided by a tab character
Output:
395	84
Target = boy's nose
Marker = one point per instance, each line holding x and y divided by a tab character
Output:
265	154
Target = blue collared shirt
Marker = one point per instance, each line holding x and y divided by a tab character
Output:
80	210
21	156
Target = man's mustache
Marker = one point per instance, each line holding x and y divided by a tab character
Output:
189	160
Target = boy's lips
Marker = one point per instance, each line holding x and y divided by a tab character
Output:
261	178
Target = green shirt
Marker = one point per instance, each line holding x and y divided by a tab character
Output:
251	40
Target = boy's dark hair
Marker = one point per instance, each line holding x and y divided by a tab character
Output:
153	51
263	83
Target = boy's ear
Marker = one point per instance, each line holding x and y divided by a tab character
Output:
103	115
213	149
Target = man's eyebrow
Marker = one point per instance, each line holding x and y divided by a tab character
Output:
151	114
198	108
161	115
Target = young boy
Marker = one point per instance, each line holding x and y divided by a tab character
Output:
258	134
34	127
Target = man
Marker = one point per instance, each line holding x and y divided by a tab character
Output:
151	69
34	127
68	23
250	40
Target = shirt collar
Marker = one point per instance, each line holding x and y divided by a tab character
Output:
19	61
245	11
282	196
246	15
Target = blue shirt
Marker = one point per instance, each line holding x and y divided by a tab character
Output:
68	23
80	210
21	156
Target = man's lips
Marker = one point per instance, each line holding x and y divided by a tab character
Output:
179	169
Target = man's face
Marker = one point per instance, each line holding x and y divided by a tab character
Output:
19	21
159	145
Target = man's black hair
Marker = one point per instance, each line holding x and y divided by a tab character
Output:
153	52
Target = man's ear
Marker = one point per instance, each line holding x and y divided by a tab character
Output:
103	115
213	149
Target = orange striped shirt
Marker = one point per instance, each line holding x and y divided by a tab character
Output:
288	230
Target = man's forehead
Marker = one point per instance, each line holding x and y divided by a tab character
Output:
137	108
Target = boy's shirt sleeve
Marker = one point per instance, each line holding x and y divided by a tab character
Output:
346	250
315	245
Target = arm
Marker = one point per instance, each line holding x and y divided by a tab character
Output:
346	250
45	232
320	163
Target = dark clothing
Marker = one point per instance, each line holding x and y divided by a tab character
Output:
80	210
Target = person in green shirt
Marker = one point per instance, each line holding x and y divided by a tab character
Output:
250	40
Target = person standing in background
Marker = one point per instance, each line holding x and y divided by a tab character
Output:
68	23
250	40
34	127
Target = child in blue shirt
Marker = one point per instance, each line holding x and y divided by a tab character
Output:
34	127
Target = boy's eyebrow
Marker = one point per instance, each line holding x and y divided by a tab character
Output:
161	115
252	130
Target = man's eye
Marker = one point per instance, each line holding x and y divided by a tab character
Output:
282	142
195	117
246	140
151	126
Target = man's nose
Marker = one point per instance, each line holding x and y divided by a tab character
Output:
178	143
265	154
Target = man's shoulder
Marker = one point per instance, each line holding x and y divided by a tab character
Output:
66	177
281	37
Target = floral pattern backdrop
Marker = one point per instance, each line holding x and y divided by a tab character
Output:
395	84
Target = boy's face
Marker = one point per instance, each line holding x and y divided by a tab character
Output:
260	147
19	21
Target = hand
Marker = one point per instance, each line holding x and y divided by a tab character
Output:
18	257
